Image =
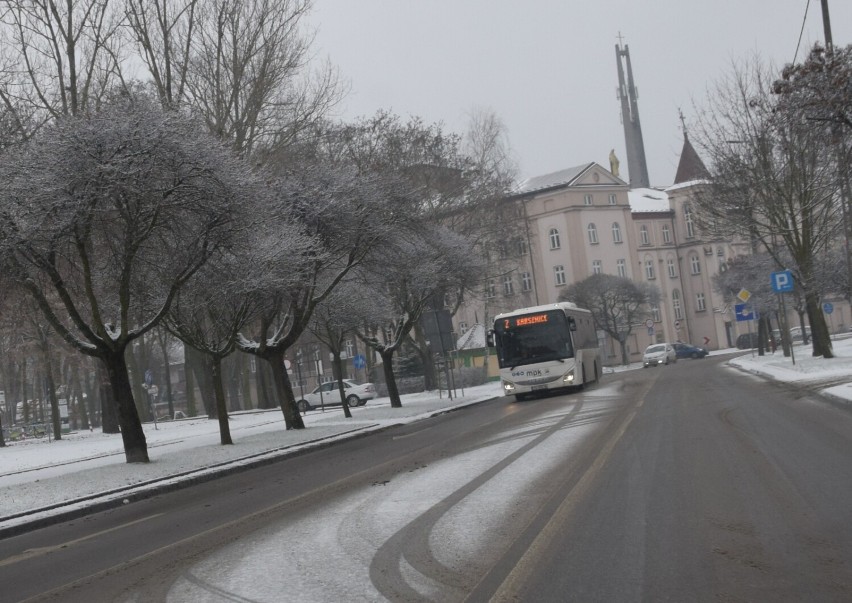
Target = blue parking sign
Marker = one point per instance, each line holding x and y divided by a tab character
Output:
782	281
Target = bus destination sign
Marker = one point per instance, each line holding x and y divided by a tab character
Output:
530	319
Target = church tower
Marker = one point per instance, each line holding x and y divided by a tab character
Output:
636	164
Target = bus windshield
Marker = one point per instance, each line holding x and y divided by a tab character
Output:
532	338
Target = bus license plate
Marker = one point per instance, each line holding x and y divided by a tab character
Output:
535	387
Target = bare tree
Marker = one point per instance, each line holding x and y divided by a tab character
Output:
59	58
105	217
617	304
249	72
773	181
164	32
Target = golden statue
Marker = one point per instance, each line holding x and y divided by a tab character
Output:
613	163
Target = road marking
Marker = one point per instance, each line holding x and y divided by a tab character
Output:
509	588
45	550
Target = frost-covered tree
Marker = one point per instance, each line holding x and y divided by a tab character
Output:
409	274
345	215
105	216
617	304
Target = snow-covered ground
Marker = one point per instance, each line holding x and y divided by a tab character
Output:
40	478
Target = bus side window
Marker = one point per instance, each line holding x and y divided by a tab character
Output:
572	324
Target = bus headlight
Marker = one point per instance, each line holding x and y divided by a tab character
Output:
569	377
508	386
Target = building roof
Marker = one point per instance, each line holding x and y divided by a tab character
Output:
473	339
554	179
644	200
690	167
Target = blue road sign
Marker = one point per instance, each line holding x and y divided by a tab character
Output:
358	361
743	312
828	307
782	281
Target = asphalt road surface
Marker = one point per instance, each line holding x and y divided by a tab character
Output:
690	482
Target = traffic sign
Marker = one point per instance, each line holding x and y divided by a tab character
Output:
744	295
782	281
828	307
744	312
358	361
649	323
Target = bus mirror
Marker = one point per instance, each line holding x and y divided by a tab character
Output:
489	338
572	324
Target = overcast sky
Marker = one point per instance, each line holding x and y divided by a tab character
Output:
547	68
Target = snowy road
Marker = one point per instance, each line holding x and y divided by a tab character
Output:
421	512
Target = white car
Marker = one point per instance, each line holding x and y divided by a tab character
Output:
659	353
328	394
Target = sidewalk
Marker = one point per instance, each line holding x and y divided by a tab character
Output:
43	482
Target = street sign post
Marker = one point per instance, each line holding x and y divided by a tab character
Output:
782	282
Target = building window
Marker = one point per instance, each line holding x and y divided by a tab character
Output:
616	233
655	313
588	200
559	273
676	305
649	270
526	281
644	239
508	286
350	348
667	234
593	234
670	264
502	251
597	267
700	302
690	225
554	239
621	267
695	263
613	200
462	327
522	246
490	288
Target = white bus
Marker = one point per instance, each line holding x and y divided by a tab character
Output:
546	348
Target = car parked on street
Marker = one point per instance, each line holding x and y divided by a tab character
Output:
747	341
328	394
684	350
658	353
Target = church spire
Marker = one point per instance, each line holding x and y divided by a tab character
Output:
690	167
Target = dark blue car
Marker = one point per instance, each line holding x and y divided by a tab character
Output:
684	350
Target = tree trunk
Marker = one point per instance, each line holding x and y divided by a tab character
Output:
430	375
625	358
819	328
245	380
221	407
191	408
390	379
135	446
338	369
56	420
77	392
167	371
109	412
284	390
